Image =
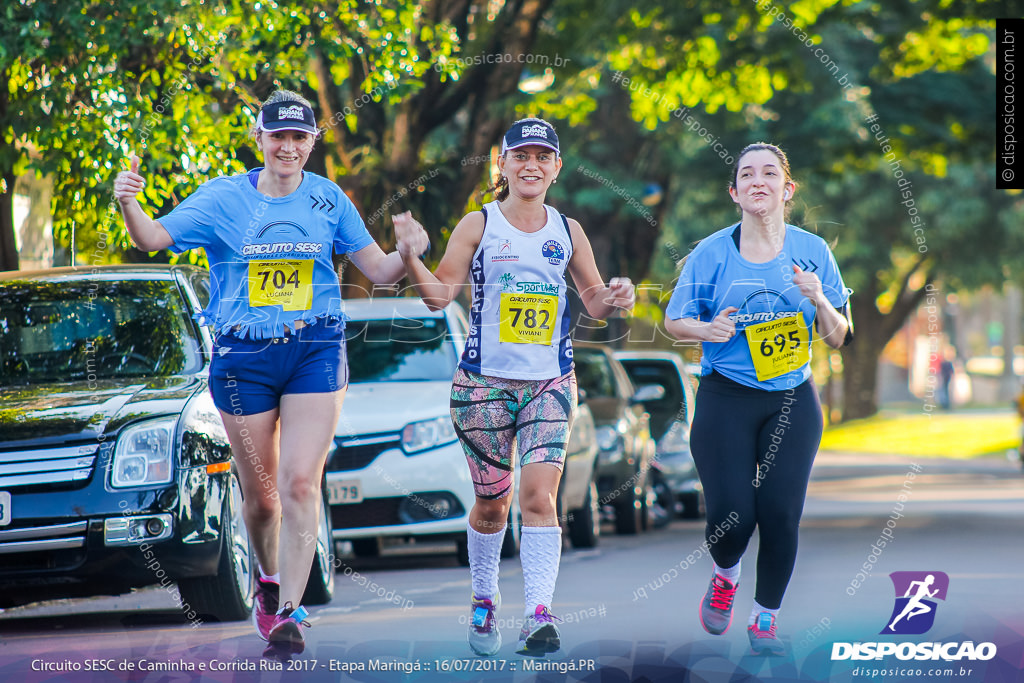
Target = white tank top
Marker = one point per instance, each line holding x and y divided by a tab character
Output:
519	320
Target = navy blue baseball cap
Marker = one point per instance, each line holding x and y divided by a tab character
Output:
288	115
530	132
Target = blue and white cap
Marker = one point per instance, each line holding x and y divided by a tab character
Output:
531	131
288	115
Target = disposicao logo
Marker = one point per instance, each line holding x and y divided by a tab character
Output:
913	614
916	592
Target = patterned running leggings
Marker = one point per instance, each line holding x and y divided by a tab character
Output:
495	417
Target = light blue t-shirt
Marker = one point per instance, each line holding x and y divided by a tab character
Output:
716	276
270	257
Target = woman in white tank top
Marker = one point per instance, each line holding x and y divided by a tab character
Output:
515	388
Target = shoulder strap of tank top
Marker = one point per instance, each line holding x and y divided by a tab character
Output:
568	232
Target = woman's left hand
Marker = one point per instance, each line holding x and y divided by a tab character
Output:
620	293
809	284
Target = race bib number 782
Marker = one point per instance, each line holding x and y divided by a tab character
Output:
527	318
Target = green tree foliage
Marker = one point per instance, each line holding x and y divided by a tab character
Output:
88	83
812	75
415	96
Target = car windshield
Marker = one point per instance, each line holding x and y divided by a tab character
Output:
593	373
400	350
86	330
672	406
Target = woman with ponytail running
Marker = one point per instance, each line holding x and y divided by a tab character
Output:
515	392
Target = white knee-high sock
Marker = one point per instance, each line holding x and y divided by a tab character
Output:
540	552
484	557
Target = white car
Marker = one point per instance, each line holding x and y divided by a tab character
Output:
397	469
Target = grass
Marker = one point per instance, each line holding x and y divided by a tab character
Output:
946	435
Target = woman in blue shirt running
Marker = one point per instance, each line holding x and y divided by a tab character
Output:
751	294
278	373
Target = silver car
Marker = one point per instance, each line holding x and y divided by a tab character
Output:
671	417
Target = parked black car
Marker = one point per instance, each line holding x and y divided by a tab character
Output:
115	469
623	434
676	484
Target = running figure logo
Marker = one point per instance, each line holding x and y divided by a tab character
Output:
914	612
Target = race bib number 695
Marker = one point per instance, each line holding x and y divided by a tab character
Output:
285	283
779	346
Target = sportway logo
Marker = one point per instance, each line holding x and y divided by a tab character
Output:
914	611
535	131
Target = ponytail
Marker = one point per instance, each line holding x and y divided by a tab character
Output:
500	188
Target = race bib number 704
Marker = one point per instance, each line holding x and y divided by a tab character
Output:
285	283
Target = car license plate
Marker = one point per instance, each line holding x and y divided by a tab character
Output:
344	491
5	508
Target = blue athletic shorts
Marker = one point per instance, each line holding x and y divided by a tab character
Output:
249	376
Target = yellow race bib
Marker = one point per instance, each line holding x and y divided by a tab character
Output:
527	318
779	346
286	283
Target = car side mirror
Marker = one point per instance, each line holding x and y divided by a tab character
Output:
648	393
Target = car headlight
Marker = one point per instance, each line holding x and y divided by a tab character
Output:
675	440
143	453
611	445
419	436
606	436
581	434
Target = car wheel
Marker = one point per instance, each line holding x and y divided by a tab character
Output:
585	523
693	505
631	512
627	515
366	547
660	502
320	585
227	595
646	505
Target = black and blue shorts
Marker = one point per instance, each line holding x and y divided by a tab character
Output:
249	376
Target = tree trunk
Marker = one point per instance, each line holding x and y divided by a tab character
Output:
8	241
872	331
860	368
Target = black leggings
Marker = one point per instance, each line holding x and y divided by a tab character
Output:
754	450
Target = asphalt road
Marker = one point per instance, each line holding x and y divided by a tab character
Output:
629	607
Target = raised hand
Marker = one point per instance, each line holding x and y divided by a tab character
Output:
809	284
127	184
620	293
410	237
721	328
